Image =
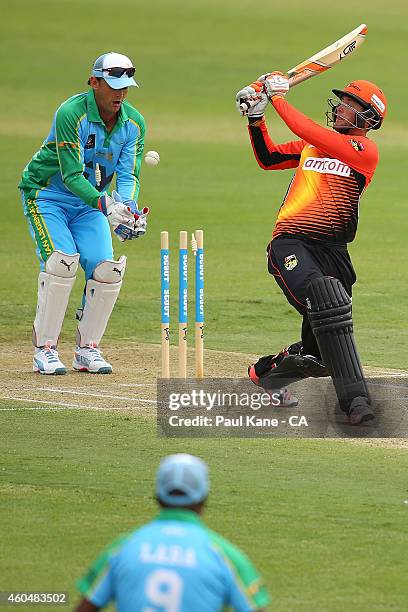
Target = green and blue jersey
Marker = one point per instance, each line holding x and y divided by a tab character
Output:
174	563
64	167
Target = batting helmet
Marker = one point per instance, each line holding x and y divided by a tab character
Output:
370	97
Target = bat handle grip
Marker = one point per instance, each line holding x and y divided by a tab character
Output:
250	102
245	106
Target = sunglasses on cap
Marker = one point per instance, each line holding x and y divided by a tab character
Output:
118	72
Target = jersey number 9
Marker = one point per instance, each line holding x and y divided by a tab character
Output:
164	588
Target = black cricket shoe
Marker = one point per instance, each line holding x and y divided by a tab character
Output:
360	411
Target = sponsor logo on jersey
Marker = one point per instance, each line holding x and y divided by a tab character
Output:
326	165
291	262
357	145
90	143
106	155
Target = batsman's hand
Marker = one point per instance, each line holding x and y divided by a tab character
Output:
252	100
276	84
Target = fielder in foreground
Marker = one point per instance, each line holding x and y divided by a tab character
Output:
93	136
308	254
174	562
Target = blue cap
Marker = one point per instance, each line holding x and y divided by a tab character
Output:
113	60
184	474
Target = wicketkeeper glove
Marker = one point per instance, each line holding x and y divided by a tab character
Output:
115	210
139	227
120	218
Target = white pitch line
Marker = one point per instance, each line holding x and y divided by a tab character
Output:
134	385
100	395
43	408
53	404
25	399
388	375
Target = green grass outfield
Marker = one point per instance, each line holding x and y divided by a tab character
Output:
325	521
191	58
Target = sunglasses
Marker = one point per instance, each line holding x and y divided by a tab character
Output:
118	72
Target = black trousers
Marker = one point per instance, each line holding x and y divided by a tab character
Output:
294	262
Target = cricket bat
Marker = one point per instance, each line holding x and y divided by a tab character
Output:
321	61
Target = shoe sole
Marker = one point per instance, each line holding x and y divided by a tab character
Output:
100	371
57	372
254	378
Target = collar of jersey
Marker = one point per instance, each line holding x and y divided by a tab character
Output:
93	112
178	514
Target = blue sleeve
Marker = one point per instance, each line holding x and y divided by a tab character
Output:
97	585
130	160
102	592
236	596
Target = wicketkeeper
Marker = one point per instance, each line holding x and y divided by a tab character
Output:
308	254
94	136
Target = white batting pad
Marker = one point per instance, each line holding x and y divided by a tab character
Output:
100	297
54	288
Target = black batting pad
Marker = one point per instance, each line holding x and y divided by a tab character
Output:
329	311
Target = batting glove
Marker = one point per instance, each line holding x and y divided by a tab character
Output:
252	100
276	84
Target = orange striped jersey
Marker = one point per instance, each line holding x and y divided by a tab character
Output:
322	201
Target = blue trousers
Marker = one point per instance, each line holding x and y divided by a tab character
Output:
71	227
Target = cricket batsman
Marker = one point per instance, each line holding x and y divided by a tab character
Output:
94	136
174	562
308	254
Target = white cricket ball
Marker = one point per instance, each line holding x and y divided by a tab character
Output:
152	158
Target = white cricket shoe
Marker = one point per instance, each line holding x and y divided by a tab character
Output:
89	359
46	361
